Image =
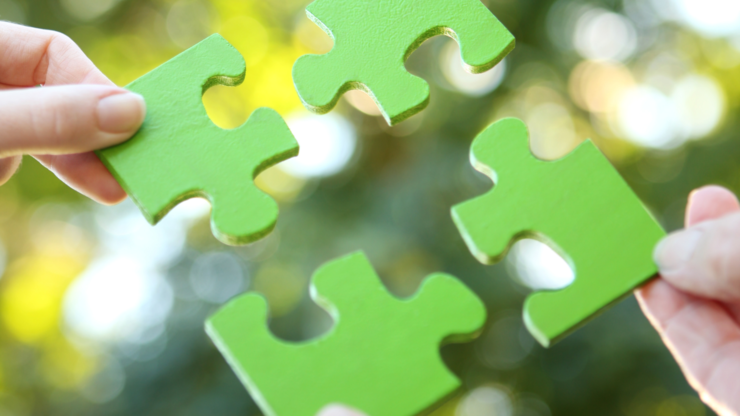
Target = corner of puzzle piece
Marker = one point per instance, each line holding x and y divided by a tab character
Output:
579	205
179	153
373	38
381	356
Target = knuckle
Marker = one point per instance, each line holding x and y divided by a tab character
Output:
61	52
61	41
63	123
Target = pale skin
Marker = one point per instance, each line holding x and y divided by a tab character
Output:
76	110
694	305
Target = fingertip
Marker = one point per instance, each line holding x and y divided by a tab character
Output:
710	202
109	193
101	188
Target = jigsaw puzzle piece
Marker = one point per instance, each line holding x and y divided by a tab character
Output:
179	153
578	205
381	356
373	39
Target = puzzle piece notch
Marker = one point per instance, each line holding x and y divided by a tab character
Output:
381	356
373	39
179	153
579	205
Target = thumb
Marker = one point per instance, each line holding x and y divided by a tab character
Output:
704	260
67	119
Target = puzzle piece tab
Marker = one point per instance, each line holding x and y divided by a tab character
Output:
373	39
179	153
381	356
579	205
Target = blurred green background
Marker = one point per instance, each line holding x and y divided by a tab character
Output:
101	314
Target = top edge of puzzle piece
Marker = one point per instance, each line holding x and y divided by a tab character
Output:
373	39
179	153
380	346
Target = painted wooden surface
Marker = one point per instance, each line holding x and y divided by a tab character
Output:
579	205
373	39
179	153
381	356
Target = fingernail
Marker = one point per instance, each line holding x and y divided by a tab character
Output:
675	250
121	113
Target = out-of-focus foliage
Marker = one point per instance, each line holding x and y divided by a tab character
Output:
102	314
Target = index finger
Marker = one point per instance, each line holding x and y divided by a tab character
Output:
30	57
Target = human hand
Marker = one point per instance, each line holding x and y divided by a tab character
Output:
76	111
338	410
695	305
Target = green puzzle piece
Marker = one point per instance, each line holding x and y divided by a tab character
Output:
381	356
179	153
373	39
578	205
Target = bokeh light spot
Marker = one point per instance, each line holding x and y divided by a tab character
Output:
189	22
551	129
474	85
362	101
539	267
486	401
327	144
711	17
646	117
248	36
598	86
282	185
123	295
700	105
116	299
88	10
603	35
694	108
217	277
32	297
